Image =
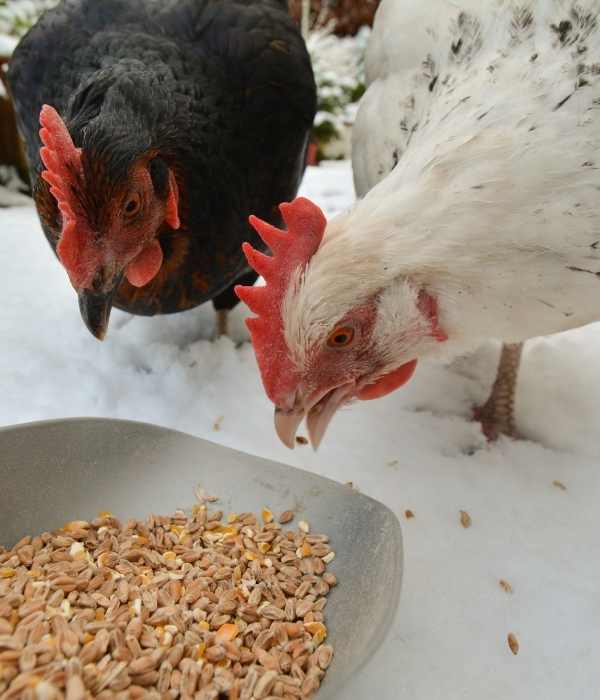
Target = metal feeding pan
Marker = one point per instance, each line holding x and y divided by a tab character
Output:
58	471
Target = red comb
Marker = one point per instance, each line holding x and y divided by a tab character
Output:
292	250
64	173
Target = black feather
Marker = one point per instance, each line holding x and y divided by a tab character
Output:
159	172
222	91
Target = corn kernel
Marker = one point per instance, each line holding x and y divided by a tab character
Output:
319	638
318	631
225	530
267	515
76	525
263	547
304	551
7	573
250	556
169	556
203	624
105	514
77	550
315	627
99	614
227	633
200	651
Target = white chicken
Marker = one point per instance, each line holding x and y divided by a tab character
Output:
477	157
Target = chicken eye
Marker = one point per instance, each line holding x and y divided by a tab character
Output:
133	205
341	337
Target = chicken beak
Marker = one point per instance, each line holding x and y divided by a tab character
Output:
318	412
95	308
287	424
319	417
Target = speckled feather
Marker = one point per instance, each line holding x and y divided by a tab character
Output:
476	156
222	91
422	57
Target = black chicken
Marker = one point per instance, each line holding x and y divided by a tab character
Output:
164	125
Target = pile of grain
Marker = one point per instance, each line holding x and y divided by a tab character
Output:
181	606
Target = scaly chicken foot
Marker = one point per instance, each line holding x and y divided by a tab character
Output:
497	414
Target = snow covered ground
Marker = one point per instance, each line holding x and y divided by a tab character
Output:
414	450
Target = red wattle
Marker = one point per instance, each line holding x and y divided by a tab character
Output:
388	383
145	267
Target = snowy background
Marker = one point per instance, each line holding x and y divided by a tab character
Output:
414	450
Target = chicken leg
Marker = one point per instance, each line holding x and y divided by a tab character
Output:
497	414
227	300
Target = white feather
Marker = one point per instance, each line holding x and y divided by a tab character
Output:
492	112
